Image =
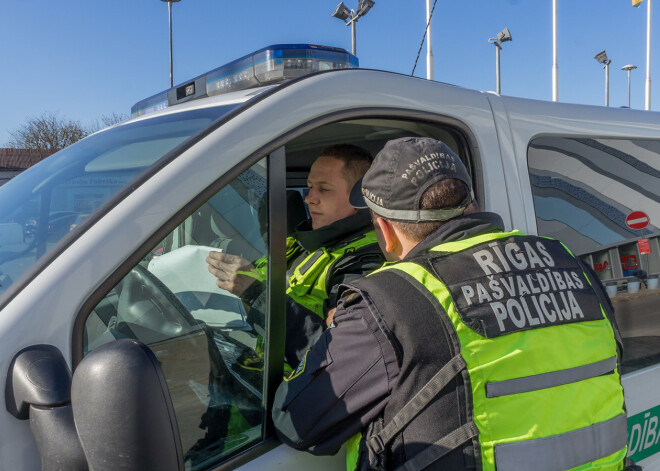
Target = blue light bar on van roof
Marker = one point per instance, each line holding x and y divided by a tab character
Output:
267	66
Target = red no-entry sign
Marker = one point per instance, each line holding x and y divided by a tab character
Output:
637	220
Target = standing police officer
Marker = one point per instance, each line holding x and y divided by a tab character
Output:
478	349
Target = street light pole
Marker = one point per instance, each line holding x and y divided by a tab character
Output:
429	42
353	37
628	68
350	17
169	9
601	57
498	87
607	83
502	36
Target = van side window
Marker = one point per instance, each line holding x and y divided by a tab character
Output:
601	197
209	341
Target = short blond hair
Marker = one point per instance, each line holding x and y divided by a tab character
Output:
356	161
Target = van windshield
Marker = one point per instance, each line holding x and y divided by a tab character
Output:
46	202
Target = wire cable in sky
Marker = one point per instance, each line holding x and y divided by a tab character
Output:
423	38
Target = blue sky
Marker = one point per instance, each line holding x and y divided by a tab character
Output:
85	58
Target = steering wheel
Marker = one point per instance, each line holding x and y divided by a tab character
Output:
150	310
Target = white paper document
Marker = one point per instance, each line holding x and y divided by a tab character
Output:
185	272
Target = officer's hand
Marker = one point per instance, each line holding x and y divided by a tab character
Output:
330	317
225	266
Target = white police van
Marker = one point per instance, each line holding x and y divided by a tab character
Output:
104	243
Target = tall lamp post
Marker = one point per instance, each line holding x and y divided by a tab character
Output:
169	8
602	58
628	68
350	17
502	37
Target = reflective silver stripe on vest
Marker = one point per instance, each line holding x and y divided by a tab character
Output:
566	450
549	380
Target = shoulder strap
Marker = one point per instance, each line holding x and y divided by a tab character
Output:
355	246
316	265
442	378
440	448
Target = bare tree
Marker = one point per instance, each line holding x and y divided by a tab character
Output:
47	131
114	118
107	120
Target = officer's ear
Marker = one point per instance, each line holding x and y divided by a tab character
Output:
389	238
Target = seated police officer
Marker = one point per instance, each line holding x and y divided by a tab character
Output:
336	245
477	349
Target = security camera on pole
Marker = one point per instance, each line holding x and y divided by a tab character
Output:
502	36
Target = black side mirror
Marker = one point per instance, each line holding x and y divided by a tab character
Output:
38	388
123	411
118	400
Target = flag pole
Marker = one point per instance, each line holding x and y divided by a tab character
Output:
647	104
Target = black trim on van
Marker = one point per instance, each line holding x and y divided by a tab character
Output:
275	331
